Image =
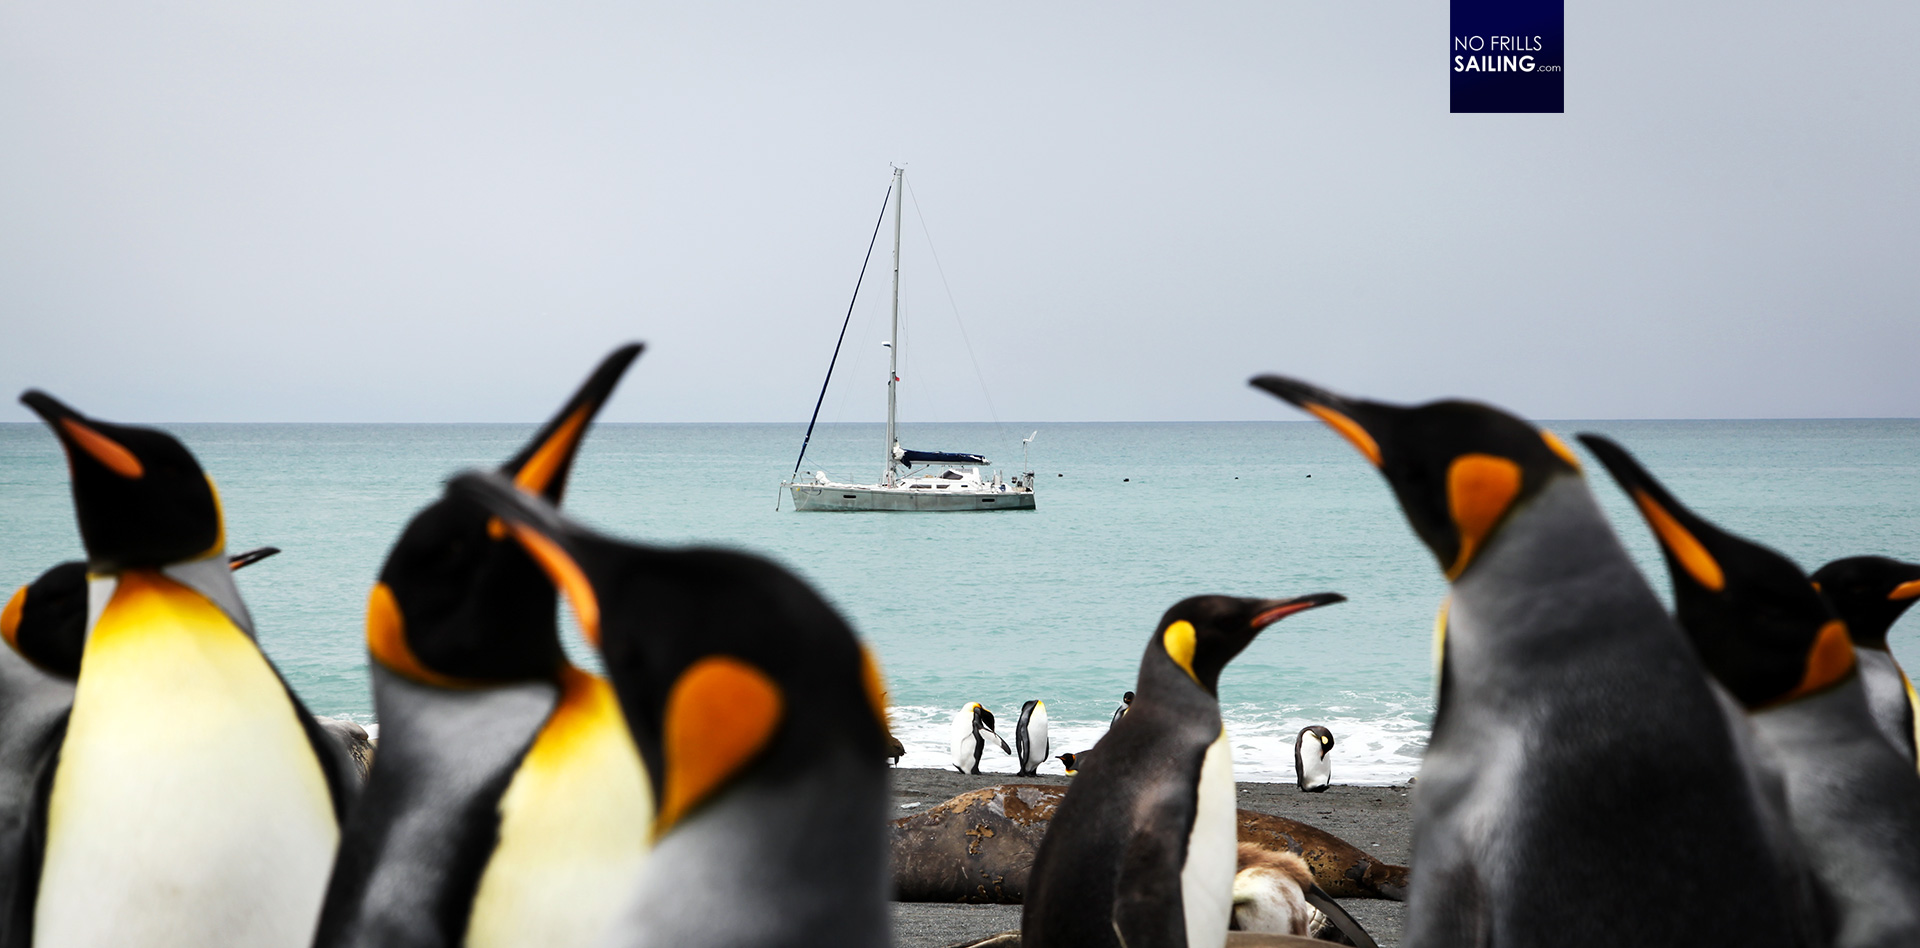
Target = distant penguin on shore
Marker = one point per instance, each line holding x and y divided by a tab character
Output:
1310	765
1142	850
1126	702
1870	593
1030	737
972	725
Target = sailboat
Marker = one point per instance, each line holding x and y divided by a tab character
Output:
911	481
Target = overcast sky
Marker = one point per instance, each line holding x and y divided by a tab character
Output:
447	211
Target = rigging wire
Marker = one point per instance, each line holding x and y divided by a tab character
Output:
843	328
977	374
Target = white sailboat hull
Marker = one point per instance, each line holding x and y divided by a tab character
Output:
851	498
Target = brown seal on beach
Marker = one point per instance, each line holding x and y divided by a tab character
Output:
979	846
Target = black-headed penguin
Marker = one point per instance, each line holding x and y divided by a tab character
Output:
194	800
1869	594
45	627
507	804
1030	737
1574	725
1142	850
972	725
1311	769
1769	638
762	723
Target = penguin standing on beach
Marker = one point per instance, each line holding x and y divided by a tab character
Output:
1767	636
508	804
194	800
761	720
1030	737
1570	710
1126	701
1870	593
972	725
1311	769
1143	850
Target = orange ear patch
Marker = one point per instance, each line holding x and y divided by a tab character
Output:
1829	660
1906	590
1350	430
1480	488
10	617
387	642
538	472
1180	640
107	451
565	574
1693	555
720	715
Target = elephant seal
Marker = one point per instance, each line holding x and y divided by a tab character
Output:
979	846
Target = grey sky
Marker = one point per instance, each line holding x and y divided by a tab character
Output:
447	211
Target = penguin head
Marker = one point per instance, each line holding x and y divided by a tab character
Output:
1127	698
458	602
1066	760
1315	738
727	666
46	620
1458	468
982	718
1201	634
141	498
1755	619
1870	593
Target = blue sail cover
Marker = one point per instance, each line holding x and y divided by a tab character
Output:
940	457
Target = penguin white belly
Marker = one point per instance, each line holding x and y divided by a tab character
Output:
1889	696
1206	880
188	808
1315	770
576	823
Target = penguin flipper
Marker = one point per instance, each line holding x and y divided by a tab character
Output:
1147	905
1318	898
25	842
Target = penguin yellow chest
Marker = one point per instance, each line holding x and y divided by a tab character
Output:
188	807
575	826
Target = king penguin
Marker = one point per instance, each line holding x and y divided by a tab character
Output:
194	801
1311	769
761	720
1142	850
1570	709
1030	737
972	725
1769	637
1869	593
507	804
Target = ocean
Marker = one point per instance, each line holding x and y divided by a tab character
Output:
1056	604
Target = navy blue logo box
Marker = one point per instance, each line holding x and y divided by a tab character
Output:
1507	55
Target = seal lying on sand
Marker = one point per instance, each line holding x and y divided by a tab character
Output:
979	846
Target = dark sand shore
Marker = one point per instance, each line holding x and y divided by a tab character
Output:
1377	819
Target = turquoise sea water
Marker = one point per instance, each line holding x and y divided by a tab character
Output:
1055	604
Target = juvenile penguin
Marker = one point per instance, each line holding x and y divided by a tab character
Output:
1311	769
1126	701
1773	642
1030	737
1569	707
507	804
972	725
761	721
1869	593
194	800
1142	850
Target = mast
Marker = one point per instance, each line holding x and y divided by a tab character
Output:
893	339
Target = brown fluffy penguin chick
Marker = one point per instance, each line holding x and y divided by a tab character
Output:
1270	894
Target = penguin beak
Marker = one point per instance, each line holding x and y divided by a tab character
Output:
1273	610
1335	411
546	538
240	561
1907	590
1676	527
542	466
81	438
